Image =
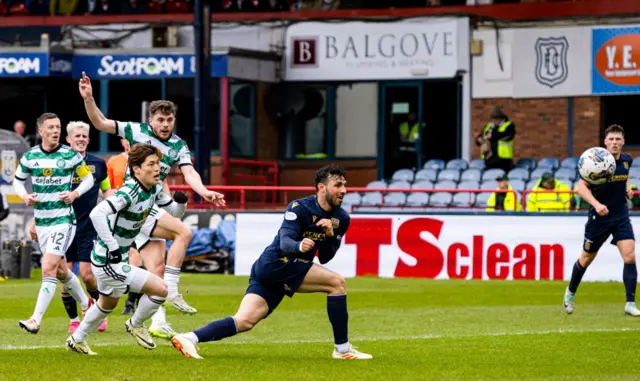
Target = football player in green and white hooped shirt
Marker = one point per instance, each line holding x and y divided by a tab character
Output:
51	166
118	220
160	226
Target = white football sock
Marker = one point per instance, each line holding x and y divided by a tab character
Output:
192	336
172	277
160	317
147	306
92	319
74	288
46	294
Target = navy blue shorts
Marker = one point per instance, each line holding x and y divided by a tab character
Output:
272	278
80	248
598	229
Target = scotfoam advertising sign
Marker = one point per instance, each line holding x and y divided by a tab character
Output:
616	60
447	247
23	64
144	66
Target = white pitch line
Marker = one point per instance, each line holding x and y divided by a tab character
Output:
8	347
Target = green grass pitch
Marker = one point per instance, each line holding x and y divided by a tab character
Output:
415	329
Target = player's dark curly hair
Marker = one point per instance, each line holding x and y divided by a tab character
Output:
139	153
323	174
615	129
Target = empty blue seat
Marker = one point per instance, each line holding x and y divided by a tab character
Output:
440	199
469	184
517	185
449	174
427	174
549	162
570	162
526	162
636	162
518	173
399	185
532	183
434	164
445	184
566	175
403	174
351	199
463	199
538	172
492	174
460	164
489	184
481	200
471	174
378	184
422	184
395	199
417	199
634	172
477	164
371	199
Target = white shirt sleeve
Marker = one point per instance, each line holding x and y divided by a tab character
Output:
109	208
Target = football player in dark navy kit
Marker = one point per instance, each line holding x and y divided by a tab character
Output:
312	225
608	215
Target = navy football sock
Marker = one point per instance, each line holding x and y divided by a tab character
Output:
339	317
70	306
216	330
94	294
576	276
630	279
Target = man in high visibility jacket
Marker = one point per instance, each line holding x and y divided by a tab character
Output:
496	141
506	201
117	166
409	130
549	201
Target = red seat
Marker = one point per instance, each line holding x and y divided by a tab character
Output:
154	7
18	9
177	7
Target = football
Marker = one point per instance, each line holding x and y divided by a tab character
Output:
596	165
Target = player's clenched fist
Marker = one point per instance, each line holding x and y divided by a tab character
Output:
327	226
602	210
306	245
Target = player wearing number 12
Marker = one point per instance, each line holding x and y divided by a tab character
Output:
312	225
160	226
51	166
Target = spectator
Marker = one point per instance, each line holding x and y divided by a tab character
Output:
506	201
133	7
105	7
496	141
20	128
548	200
63	7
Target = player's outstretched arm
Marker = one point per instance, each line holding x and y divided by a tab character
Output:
19	179
105	209
175	206
192	177
96	116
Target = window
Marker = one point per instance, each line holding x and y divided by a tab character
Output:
242	100
302	120
615	110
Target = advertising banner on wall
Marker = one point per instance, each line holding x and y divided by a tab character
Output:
415	49
616	60
447	247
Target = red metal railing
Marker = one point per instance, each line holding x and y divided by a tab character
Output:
268	175
242	192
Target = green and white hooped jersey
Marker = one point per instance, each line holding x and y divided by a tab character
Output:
174	150
51	173
129	207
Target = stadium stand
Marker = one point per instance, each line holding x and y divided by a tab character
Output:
461	182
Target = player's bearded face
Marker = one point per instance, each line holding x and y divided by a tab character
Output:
149	172
50	131
162	125
335	190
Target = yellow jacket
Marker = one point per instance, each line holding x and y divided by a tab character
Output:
508	203
550	201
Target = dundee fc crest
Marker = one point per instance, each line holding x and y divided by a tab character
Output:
551	60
